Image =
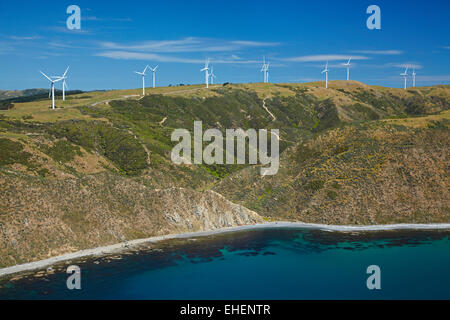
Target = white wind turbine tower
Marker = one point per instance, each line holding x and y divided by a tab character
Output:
414	77
154	72
265	69
348	68
206	69
405	75
326	75
64	84
212	75
143	79
52	88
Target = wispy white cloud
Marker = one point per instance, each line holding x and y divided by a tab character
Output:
63	29
324	57
437	78
379	52
61	45
5	47
233	61
190	44
94	18
441	79
169	50
410	65
256	43
130	55
23	38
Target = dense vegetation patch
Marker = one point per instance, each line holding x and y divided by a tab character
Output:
12	152
63	151
6	105
117	145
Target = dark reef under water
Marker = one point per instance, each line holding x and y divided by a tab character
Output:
279	263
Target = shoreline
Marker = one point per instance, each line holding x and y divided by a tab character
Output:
124	246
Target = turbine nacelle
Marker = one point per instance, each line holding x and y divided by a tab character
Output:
206	66
265	69
52	79
405	73
143	72
206	69
143	78
51	92
326	68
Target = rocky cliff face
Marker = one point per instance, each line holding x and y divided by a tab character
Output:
192	211
41	219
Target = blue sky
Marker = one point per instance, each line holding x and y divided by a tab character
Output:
119	37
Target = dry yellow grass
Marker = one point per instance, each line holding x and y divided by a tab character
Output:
65	110
421	122
40	111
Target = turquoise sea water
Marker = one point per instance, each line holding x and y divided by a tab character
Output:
262	264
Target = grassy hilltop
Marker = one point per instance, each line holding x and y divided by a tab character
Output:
97	170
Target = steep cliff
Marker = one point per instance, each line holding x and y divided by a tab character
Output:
43	218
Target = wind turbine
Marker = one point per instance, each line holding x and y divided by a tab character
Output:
64	85
326	75
154	71
52	88
405	75
414	77
212	75
206	69
143	79
265	69
348	68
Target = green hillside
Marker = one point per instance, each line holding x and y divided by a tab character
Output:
350	154
11	94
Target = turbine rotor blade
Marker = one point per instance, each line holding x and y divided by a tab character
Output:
46	76
66	71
